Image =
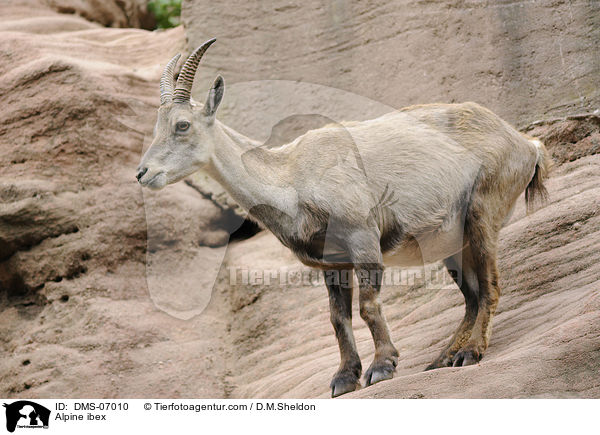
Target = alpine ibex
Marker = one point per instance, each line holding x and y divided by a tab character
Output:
423	184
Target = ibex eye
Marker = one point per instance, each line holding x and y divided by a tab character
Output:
182	125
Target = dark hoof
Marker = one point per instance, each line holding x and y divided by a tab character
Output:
344	382
440	363
465	358
380	371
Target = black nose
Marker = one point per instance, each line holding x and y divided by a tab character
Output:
141	173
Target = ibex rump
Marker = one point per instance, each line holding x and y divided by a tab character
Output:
426	183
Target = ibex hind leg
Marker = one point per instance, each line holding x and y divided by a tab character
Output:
482	235
462	269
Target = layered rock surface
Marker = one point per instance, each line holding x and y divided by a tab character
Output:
77	318
95	292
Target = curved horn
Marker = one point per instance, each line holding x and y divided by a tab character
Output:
166	81
183	91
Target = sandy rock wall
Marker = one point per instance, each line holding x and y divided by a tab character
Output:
77	318
343	60
523	59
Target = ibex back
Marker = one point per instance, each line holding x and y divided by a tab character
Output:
423	184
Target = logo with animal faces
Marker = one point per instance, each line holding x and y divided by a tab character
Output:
25	414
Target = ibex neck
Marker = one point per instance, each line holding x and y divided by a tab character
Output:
248	177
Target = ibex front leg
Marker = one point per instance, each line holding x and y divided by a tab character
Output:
339	285
368	266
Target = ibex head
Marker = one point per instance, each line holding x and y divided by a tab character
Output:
183	136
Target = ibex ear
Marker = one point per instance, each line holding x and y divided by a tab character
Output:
214	97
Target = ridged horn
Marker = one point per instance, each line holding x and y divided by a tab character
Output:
167	82
183	90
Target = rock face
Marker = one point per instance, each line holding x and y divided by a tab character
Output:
354	60
523	60
107	291
79	102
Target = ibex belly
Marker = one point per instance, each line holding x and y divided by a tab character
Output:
427	247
